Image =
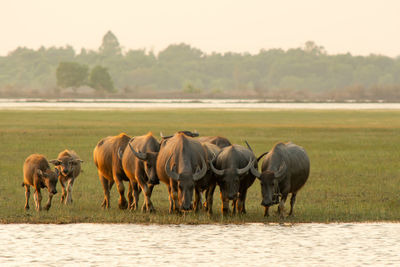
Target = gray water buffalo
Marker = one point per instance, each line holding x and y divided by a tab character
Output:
216	140
68	164
109	167
181	163
37	173
139	162
285	170
236	170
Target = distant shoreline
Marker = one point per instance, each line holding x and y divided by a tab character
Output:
187	103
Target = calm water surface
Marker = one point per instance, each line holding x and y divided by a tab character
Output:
101	104
200	245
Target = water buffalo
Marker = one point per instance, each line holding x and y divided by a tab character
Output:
139	161
37	173
216	140
181	163
285	170
236	170
110	170
68	164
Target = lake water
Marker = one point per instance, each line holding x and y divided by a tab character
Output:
373	244
101	104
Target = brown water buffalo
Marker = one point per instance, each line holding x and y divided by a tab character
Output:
181	163
109	167
236	170
216	140
68	164
285	170
37	173
139	161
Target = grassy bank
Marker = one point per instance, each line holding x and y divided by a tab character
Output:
355	157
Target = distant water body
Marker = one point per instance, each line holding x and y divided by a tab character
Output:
366	244
105	104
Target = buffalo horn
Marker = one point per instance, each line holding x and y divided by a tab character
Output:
139	155
165	137
200	174
248	145
171	173
216	171
262	155
245	169
254	171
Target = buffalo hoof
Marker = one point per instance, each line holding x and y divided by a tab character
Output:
26	208
47	207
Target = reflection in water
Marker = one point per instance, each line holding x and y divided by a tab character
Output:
181	245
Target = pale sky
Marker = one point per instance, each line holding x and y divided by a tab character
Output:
360	27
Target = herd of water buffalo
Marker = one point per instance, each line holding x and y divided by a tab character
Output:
185	163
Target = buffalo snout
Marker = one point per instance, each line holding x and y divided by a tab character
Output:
186	207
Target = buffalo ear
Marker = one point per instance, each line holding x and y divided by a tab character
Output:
56	162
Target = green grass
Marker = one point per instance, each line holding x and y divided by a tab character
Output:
355	161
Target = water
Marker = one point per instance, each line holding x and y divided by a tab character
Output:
373	244
99	104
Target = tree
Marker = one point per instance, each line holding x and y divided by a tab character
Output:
110	45
100	79
71	74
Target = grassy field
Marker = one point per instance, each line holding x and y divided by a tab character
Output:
355	161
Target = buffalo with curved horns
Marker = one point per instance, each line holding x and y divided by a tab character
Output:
181	163
236	170
285	170
139	161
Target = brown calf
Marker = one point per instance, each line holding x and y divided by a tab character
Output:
68	164
37	173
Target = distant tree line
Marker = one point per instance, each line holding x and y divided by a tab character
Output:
181	70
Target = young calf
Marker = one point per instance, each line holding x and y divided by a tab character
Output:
68	165
37	173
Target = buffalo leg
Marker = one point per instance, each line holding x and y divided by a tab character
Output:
130	194
209	198
38	199
122	203
292	201
225	205
241	202
63	194
70	184
172	199
197	200
175	197
106	188
27	195
266	211
147	190
281	206
135	194
48	204
147	198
